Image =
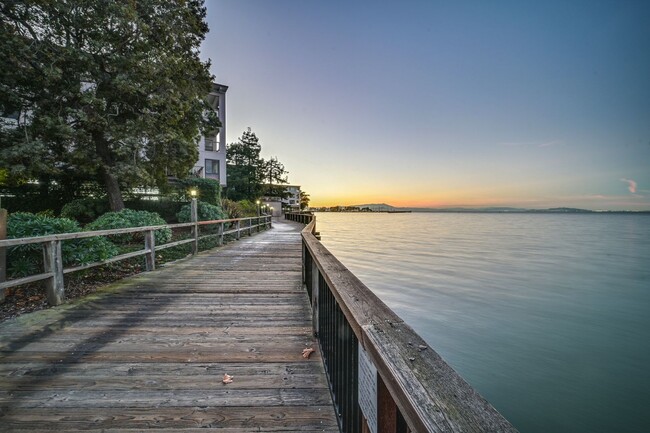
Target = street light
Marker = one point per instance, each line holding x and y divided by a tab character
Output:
258	207
193	205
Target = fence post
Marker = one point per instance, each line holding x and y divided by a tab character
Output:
250	227
53	262
150	245
386	409
238	225
315	289
3	252
220	238
195	228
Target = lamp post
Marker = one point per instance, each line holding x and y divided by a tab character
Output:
194	218
271	209
258	207
193	205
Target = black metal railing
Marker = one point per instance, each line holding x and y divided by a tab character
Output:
339	348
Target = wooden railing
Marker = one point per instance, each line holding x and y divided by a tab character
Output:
383	376
300	217
54	271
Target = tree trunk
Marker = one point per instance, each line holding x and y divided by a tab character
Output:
105	176
112	189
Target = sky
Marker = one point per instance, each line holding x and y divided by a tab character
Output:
443	104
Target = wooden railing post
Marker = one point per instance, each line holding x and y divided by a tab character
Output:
3	252
195	228
315	289
150	246
238	225
53	263
386	409
220	232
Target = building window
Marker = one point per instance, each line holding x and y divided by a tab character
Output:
211	144
212	167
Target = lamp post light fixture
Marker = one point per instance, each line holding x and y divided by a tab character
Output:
193	205
258	207
271	209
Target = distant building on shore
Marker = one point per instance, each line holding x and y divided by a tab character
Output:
293	200
281	204
212	148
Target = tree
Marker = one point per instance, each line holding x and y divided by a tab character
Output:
107	91
304	200
274	176
244	168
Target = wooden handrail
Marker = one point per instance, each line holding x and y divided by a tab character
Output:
415	386
89	234
53	260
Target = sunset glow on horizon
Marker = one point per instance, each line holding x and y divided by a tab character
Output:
433	104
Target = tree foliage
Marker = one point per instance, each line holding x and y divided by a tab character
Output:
244	168
249	175
274	177
304	200
112	92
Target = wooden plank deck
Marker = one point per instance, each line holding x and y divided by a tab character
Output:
151	351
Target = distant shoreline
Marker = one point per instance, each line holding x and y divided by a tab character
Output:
564	211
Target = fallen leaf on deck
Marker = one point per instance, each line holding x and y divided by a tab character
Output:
307	352
227	378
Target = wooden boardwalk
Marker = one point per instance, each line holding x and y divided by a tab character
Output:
151	351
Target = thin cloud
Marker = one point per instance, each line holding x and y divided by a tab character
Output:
549	143
531	143
631	185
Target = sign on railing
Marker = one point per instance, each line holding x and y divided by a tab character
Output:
368	389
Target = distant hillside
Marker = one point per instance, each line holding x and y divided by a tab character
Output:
384	207
378	207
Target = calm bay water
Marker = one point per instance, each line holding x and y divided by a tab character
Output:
547	316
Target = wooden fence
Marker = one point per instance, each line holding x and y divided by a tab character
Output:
53	270
383	375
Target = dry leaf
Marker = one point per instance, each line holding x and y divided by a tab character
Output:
307	352
227	378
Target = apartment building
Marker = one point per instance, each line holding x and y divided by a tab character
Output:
212	148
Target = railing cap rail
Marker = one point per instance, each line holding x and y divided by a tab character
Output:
90	234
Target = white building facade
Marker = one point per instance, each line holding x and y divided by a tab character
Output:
212	148
293	200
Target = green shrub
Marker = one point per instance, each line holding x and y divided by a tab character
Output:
209	190
232	209
131	218
205	211
26	259
166	208
249	209
84	209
